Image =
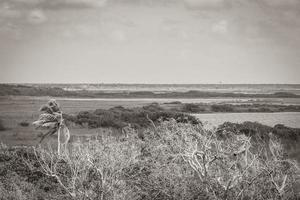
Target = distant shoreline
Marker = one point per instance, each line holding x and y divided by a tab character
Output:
196	105
45	90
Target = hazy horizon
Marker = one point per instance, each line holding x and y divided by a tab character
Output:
131	83
150	41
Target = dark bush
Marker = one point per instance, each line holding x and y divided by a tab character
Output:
24	123
192	108
119	117
2	128
284	94
153	107
173	102
222	108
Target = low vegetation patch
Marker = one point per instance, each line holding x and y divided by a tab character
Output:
24	123
119	117
222	108
230	108
192	108
2	127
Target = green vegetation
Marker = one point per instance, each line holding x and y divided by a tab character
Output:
172	161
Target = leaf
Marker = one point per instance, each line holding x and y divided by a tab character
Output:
49	124
53	105
48	117
38	123
46	109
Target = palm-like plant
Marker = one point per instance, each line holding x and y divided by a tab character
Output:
52	120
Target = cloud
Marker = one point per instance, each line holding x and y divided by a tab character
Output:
6	11
282	3
37	17
192	4
89	3
56	4
204	4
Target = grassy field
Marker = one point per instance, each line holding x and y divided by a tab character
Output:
15	110
18	112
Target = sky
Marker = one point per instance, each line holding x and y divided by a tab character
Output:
150	41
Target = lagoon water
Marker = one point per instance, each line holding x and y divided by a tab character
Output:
291	119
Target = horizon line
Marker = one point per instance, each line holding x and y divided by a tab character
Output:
120	83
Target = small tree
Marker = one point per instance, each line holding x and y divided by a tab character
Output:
52	120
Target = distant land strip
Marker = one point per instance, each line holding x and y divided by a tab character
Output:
25	90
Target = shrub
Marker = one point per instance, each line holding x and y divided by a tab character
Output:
92	170
20	177
173	161
224	169
2	127
289	137
192	108
174	102
119	117
24	123
222	108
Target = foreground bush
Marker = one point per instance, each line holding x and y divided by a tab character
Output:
225	168
170	161
92	170
289	137
174	161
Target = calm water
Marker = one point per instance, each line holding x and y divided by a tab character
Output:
287	118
